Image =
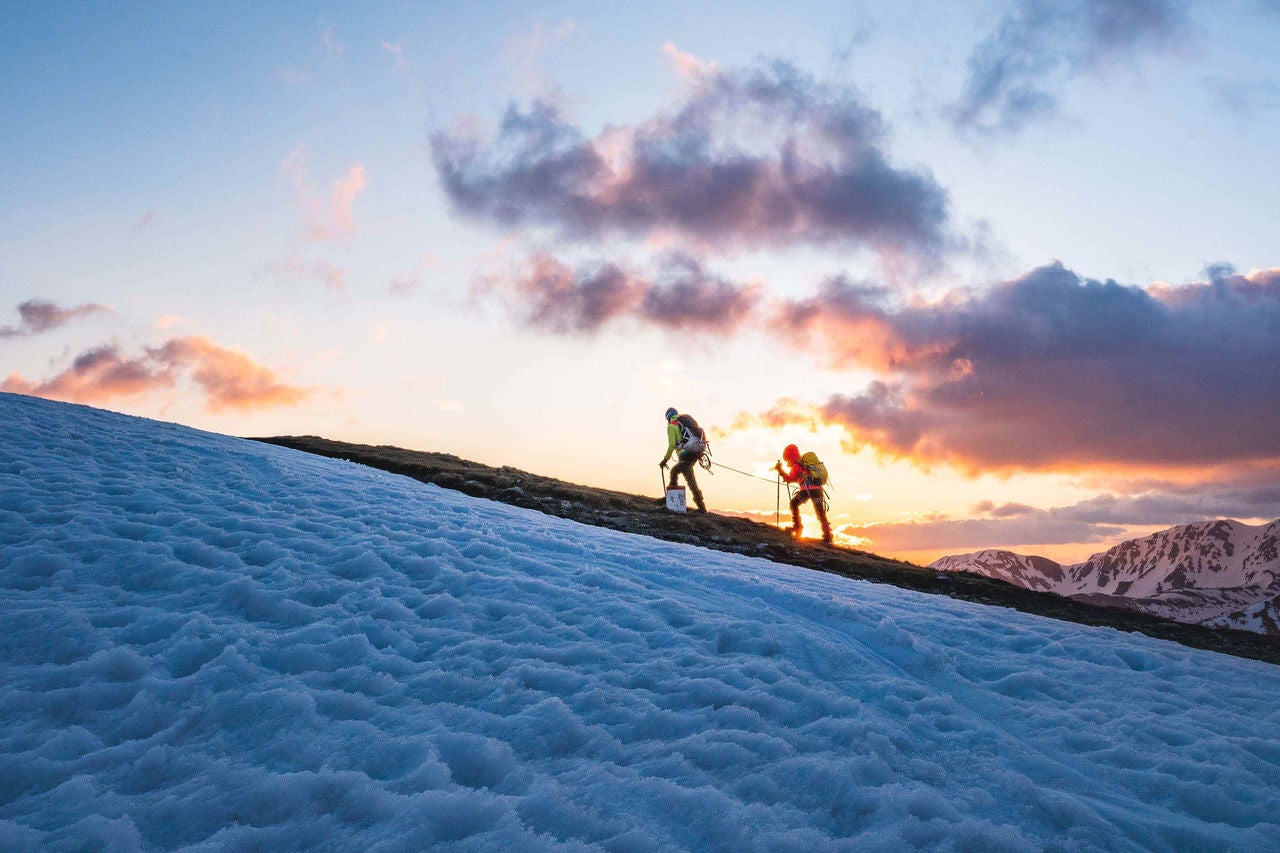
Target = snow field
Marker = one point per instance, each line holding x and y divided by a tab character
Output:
213	644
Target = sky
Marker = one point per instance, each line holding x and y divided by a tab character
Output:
1009	268
231	645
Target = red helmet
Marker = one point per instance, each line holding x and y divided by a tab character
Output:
791	453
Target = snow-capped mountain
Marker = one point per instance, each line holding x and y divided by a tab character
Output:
1212	572
1038	573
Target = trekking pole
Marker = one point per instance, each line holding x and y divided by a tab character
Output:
662	475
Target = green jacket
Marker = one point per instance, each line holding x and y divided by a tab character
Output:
673	438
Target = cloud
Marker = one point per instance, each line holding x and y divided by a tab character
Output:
1245	99
334	278
411	281
1007	510
968	534
334	221
686	296
766	156
37	315
230	379
552	296
1096	519
555	297
1040	44
396	49
98	374
689	66
524	53
1204	503
1053	371
344	196
333	48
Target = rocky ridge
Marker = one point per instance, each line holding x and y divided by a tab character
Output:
648	516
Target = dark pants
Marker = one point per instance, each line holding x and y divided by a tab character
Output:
688	461
819	508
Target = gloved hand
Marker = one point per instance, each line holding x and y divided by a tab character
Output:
662	464
777	466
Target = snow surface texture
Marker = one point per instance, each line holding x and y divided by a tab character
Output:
213	644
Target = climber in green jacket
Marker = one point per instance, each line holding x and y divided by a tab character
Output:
687	440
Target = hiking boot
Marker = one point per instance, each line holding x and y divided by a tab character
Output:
795	530
826	538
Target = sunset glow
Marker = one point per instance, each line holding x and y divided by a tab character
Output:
1013	276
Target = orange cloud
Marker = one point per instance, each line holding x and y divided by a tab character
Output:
229	378
99	374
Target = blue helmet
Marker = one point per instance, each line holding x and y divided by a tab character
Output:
671	413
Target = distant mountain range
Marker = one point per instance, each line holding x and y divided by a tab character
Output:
1224	574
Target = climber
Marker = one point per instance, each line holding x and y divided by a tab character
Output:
811	475
687	440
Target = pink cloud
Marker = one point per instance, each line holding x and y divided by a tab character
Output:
689	66
229	378
344	196
325	221
334	278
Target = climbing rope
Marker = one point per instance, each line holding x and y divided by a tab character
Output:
743	473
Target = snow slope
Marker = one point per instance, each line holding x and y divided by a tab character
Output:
1222	573
213	644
